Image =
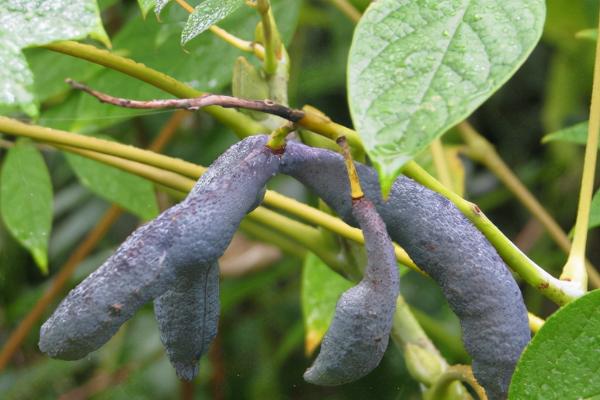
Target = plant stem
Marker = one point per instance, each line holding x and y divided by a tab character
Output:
240	44
277	137
347	9
423	361
574	269
441	164
461	373
560	292
355	189
535	322
271	39
172	172
273	237
481	150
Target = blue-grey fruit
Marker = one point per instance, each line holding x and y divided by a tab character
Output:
188	317
358	335
192	233
442	241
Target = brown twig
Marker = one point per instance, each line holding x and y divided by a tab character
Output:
83	250
196	103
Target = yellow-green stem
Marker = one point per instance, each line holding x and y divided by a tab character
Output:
240	44
462	373
241	124
423	361
347	9
481	150
277	137
355	189
535	322
441	164
574	269
175	173
271	40
559	292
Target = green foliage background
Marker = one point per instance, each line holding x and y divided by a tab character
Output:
260	352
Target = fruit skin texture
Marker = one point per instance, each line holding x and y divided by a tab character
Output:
190	234
442	241
188	317
358	335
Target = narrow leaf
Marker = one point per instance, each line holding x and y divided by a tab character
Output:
573	134
417	68
321	288
562	362
146	6
129	191
26	200
208	13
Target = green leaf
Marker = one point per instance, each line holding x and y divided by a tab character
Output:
573	134
321	289
562	361
26	200
129	191
26	23
417	68
160	4
206	14
146	6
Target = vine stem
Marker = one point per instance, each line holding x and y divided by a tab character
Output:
574	270
558	291
481	150
175	173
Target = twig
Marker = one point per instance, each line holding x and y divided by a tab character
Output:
193	104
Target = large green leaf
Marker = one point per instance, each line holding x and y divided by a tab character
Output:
206	14
321	289
562	361
26	200
206	64
25	23
131	192
417	68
